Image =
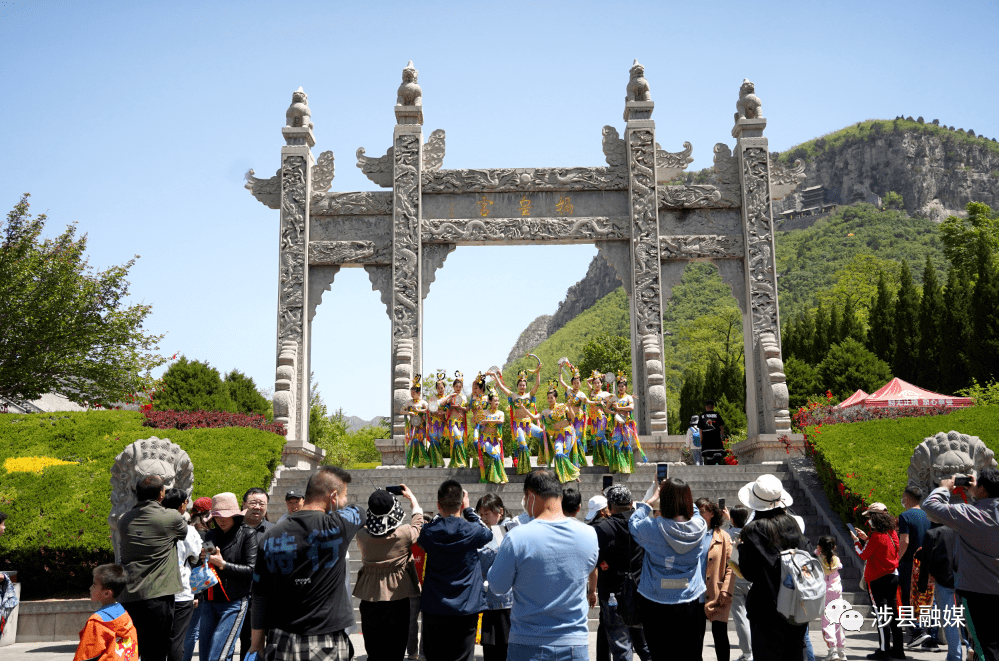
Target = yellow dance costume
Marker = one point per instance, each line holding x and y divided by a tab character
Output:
596	429
456	431
416	435
578	420
521	428
563	441
624	438
491	443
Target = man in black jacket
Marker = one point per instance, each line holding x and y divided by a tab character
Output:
619	555
937	558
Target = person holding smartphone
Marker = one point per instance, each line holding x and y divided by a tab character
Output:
880	551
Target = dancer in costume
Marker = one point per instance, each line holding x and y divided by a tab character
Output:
624	438
437	423
561	435
416	428
576	402
491	441
523	417
457	408
478	404
596	420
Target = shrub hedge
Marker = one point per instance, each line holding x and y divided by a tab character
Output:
865	462
57	528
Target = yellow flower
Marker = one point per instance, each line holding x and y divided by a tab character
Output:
32	464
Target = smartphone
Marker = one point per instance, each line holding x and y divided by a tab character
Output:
608	481
662	470
394	490
721	503
962	481
852	529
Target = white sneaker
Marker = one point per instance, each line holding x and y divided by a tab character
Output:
832	655
841	653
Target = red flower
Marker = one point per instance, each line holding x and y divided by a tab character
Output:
841	488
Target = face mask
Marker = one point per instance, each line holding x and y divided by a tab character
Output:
523	503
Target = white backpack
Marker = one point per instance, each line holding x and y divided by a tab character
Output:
802	593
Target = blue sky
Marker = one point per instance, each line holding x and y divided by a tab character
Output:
138	121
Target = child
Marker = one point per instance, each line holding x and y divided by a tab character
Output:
832	632
694	440
740	516
109	634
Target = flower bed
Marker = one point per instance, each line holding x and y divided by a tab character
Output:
206	419
867	460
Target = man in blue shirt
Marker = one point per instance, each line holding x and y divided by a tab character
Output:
547	563
452	580
912	525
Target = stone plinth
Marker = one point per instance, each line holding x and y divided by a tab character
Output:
767	447
52	620
663	447
302	455
393	450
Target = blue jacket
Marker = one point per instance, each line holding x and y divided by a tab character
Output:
486	556
675	555
453	577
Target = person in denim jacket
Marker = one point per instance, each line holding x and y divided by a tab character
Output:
495	636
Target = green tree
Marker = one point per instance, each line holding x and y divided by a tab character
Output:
820	341
244	394
893	200
985	318
802	381
955	362
805	337
734	415
605	353
691	396
326	431
849	366
931	338
880	336
857	283
835	325
961	236
191	385
849	325
64	328
905	328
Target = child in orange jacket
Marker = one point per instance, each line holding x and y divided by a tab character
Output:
109	634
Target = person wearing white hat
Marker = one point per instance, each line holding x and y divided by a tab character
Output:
880	551
596	509
771	531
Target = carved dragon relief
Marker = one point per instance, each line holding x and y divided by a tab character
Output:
710	246
268	191
783	179
331	253
525	179
351	204
689	197
406	239
727	175
323	172
670	164
291	306
759	243
524	229
645	232
379	170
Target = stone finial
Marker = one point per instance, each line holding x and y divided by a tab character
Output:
409	99
749	105
298	124
638	102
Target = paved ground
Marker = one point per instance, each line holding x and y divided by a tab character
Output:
857	646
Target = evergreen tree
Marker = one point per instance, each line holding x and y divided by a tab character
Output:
955	366
712	379
848	366
879	337
930	329
985	317
691	396
806	337
192	386
802	381
787	338
835	330
820	341
244	394
849	325
905	328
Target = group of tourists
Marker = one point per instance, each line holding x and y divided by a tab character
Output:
471	428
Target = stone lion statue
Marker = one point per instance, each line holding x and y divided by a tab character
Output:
638	87
947	454
298	114
409	93
152	456
749	105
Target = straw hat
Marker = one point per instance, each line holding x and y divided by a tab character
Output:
225	505
766	493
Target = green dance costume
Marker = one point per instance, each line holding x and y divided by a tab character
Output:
563	440
456	431
491	440
523	428
416	435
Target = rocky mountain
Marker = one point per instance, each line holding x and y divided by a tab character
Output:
599	281
354	423
936	169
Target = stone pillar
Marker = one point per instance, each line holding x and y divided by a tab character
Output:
407	299
646	301
760	277
291	396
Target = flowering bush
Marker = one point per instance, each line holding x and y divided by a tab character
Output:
32	464
206	419
817	413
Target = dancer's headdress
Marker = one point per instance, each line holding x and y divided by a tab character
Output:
441	376
417	382
522	374
458	376
553	386
491	391
480	379
573	372
621	377
596	375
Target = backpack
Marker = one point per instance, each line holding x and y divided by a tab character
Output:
695	437
801	596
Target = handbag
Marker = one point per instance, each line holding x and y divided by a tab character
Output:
203	577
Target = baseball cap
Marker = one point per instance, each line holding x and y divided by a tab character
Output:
619	496
875	507
595	504
293	493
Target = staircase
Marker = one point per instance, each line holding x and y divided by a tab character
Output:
711	482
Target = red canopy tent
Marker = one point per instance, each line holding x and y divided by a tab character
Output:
900	393
854	399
